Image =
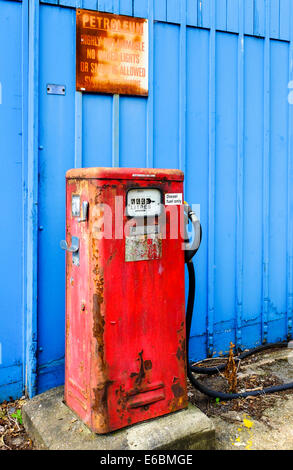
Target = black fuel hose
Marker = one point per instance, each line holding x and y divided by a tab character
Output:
214	370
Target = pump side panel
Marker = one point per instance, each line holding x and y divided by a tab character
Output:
78	312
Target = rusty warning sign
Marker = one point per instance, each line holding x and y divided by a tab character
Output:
111	53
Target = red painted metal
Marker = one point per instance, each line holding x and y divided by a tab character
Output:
125	321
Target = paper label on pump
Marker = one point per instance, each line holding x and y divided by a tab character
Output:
143	247
173	199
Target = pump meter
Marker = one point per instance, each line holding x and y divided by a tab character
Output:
143	202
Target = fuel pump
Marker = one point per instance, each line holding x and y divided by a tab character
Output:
125	355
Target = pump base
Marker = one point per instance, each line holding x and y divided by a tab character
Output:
53	426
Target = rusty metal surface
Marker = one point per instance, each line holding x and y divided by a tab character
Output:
125	321
111	53
135	174
143	247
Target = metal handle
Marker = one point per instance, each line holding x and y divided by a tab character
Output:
74	245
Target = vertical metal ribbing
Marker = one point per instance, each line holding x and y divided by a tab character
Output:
78	120
290	192
115	131
78	130
266	177
116	7
115	113
150	101
182	90
32	199
240	155
211	202
24	151
199	13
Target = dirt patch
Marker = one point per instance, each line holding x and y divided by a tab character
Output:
12	433
261	422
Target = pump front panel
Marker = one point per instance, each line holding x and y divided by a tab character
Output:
125	329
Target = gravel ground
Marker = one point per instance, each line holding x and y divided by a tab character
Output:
12	433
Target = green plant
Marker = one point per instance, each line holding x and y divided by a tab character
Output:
17	416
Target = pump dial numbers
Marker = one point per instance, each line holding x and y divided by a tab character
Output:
143	202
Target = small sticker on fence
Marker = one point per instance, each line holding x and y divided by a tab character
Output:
173	199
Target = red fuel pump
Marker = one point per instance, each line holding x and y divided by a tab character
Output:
125	295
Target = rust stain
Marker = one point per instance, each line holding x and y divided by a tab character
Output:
98	326
181	351
141	374
177	390
148	364
100	392
180	397
122	397
100	404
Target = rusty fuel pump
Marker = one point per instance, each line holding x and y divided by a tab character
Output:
125	294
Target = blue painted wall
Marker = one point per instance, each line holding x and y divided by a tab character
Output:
11	238
217	108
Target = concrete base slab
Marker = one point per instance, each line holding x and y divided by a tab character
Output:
52	425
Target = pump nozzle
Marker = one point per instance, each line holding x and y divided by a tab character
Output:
191	247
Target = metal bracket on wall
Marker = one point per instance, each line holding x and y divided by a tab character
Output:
53	89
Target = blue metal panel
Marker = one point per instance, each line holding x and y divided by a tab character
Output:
233	9
252	210
132	131
140	8
150	100
221	15
239	179
191	13
285	19
275	18
266	192
126	7
97	126
182	89
11	329
290	192
278	191
225	188
206	12
166	96
260	17
197	150
160	10
249	16
211	190
173	11
57	142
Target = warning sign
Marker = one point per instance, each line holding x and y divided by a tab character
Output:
111	53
